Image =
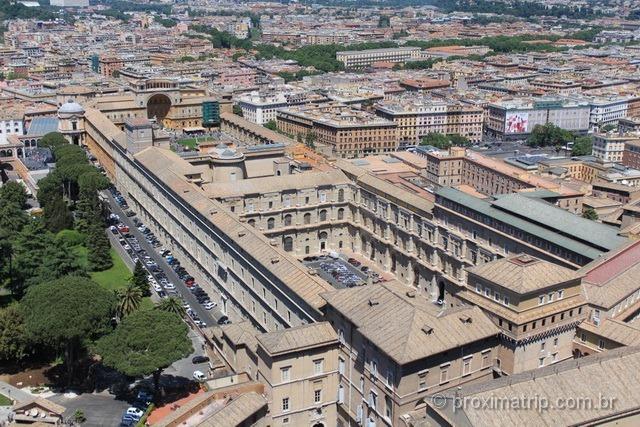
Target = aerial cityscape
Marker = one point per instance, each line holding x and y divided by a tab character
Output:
328	213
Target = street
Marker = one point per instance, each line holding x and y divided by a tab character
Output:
210	317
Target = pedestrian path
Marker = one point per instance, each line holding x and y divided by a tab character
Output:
14	393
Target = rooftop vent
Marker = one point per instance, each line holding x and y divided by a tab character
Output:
427	329
373	301
411	294
466	319
275	260
523	260
242	233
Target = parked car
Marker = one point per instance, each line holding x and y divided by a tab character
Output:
199	359
135	412
209	305
199	376
224	320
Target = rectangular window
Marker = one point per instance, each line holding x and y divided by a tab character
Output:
341	365
542	345
285	404
541	362
374	367
444	376
601	344
505	301
388	407
318	366
541	300
285	373
466	365
317	396
561	294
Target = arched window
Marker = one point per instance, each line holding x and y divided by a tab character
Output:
341	195
252	222
271	223
287	220
340	213
323	215
323	235
288	243
307	218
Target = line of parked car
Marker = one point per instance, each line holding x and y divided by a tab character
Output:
157	278
132	415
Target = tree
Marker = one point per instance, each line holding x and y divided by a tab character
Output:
237	110
384	21
53	140
145	343
549	135
57	216
13	338
310	139
437	140
590	213
28	250
12	219
13	192
458	140
139	279
271	124
66	314
607	128
129	299
99	249
582	146
171	305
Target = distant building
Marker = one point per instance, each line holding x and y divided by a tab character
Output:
516	119
70	3
365	58
611	147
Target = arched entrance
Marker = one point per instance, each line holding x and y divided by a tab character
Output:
158	106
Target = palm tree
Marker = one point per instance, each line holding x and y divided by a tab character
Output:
171	305
129	299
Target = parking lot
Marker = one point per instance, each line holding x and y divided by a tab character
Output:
167	276
341	273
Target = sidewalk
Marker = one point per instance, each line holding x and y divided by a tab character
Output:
14	393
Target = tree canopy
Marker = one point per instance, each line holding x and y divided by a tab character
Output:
144	343
444	142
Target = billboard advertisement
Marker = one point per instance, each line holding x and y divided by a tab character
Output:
516	123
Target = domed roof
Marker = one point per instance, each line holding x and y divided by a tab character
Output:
71	107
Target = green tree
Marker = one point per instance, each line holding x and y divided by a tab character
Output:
310	139
28	250
145	343
271	124
607	128
13	192
458	140
57	216
13	338
66	314
139	279
384	21
99	249
437	140
582	146
129	299
549	135
237	110
53	140
12	219
590	213
171	305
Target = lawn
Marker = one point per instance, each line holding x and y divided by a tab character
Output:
114	278
193	142
5	401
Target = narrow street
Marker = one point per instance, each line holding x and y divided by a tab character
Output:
210	317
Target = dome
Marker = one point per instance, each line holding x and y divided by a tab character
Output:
71	107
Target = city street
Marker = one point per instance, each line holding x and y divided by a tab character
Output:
210	317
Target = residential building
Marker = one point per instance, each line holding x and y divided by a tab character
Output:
416	117
610	147
365	58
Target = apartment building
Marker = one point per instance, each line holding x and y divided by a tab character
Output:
346	131
631	154
610	147
396	352
416	117
536	304
516	119
365	58
607	111
11	121
261	108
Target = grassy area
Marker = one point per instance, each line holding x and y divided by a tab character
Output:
5	401
114	278
193	142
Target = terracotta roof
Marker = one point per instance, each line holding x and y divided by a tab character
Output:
611	375
523	273
298	338
405	331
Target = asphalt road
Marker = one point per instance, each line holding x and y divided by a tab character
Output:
210	317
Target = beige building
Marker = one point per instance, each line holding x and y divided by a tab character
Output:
346	131
365	58
417	117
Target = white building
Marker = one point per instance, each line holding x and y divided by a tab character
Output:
10	126
610	147
70	3
605	111
260	108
